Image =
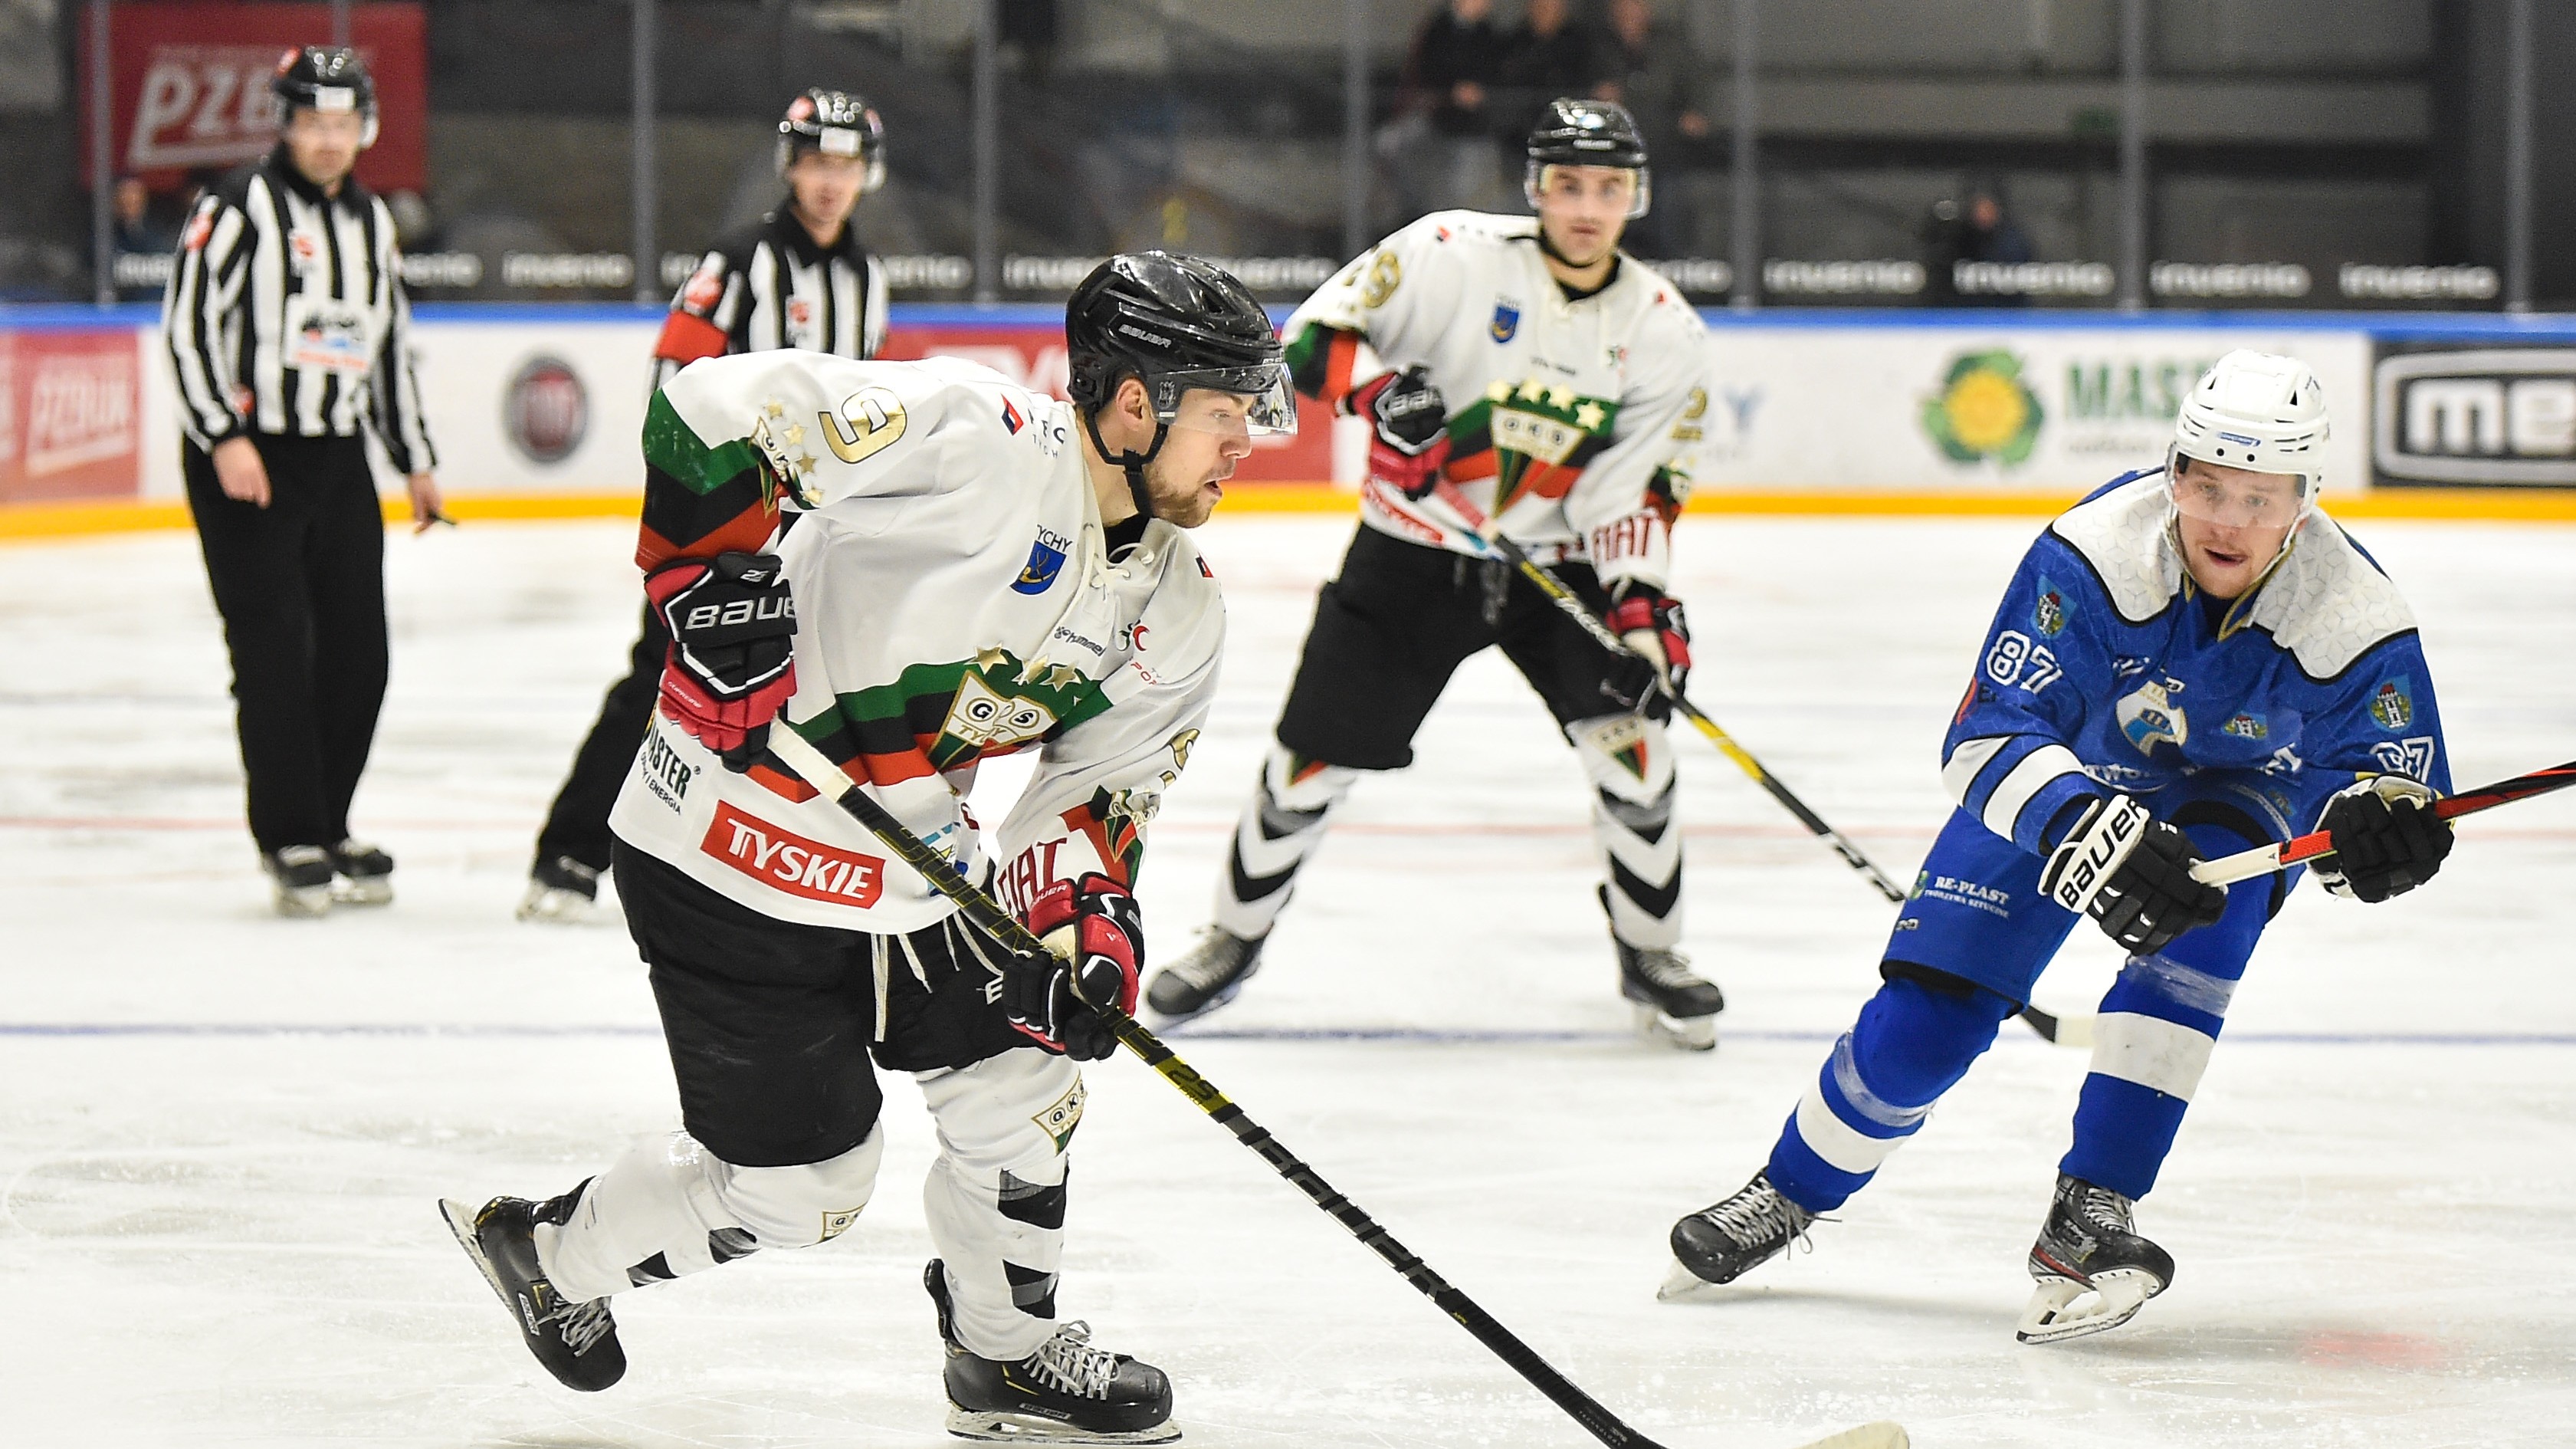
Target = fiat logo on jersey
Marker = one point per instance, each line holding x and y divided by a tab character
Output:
545	410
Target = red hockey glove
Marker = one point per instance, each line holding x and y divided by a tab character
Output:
1408	430
1095	939
1650	621
731	666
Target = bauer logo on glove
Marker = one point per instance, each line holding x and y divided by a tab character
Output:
732	664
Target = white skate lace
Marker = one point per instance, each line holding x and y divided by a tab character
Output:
1211	961
1667	968
1069	1362
2101	1209
1759	1216
582	1324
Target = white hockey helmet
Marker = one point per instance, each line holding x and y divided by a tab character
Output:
2258	412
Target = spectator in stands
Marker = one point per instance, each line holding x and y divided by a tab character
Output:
1441	148
1551	55
1655	74
139	236
1982	231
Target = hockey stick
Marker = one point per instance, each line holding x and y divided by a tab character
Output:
803	760
1565	599
2247	864
1575	609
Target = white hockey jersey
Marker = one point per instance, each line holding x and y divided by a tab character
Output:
955	599
1576	424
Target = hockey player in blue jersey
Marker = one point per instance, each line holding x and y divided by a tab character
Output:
2192	662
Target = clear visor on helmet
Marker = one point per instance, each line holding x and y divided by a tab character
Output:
2234	497
1229	401
1535	180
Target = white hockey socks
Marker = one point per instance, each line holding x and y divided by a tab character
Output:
996	1196
669	1207
1629	761
1280	827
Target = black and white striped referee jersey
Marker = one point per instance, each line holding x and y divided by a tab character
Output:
286	316
770	286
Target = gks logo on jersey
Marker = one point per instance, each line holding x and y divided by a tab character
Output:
2048	615
1984	410
1543	435
2391	705
2149	714
1045	557
1507	321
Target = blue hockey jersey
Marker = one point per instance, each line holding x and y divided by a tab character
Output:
2105	668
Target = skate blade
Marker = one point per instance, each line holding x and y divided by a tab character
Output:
460	1221
2060	1308
1687	1033
304	903
1681	1285
1885	1434
552	907
1003	1427
372	891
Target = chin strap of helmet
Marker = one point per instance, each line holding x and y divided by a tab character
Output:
1132	461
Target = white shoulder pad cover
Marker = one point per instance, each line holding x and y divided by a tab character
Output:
2122	534
2327	604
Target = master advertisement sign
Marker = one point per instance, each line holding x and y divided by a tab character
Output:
2022	408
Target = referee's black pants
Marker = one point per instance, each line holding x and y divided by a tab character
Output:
578	824
301	587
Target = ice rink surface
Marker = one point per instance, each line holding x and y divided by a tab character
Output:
221	1133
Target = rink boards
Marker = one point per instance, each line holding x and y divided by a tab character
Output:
538	409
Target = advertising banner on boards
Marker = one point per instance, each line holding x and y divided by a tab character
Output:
2453	414
71	414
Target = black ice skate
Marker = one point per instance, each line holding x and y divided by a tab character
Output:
301	875
366	874
1673	1003
1065	1393
1721	1242
577	1342
1206	978
2090	1242
561	889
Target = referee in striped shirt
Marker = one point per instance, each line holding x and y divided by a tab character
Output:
288	334
800	278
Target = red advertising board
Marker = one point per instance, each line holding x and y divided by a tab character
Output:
71	414
1034	357
191	86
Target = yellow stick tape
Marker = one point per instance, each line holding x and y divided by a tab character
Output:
36	522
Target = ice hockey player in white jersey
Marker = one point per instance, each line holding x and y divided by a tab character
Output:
914	566
1523	376
2194	661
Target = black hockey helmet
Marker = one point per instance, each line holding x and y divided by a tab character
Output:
326	78
1576	132
835	123
1175	323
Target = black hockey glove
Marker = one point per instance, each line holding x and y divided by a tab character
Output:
1095	939
1650	621
1408	430
2131	873
731	667
2387	840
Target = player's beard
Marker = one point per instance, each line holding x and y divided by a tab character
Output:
1181	500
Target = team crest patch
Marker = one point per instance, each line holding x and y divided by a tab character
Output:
2048	615
2149	714
2247	727
1059	1120
1044	559
2392	705
838	1221
1507	321
1624	740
